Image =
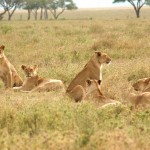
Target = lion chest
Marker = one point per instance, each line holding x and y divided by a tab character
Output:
3	70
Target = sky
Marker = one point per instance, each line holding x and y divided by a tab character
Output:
98	3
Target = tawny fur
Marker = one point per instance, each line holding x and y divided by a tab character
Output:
142	85
8	73
28	84
79	92
142	99
34	83
98	97
90	71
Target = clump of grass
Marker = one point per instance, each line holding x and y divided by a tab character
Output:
6	29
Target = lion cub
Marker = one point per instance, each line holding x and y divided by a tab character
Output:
34	83
8	73
142	85
92	70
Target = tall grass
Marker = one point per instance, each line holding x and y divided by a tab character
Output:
61	49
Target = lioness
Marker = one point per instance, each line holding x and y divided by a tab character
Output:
28	84
8	73
99	99
92	70
34	83
142	85
139	99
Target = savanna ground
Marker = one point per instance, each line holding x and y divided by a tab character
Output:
61	48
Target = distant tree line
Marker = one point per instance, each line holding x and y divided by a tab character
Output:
137	5
56	7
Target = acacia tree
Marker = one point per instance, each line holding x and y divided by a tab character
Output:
57	7
137	5
10	6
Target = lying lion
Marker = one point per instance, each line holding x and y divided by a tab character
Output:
79	93
82	93
91	71
142	99
99	99
34	83
142	85
28	84
8	73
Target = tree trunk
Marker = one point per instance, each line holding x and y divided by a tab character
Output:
137	13
10	14
29	14
41	15
1	14
35	15
46	14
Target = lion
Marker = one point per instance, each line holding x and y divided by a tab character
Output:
8	73
98	97
91	71
28	84
83	93
142	85
79	93
142	99
35	83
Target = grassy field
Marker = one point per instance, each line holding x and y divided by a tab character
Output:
45	121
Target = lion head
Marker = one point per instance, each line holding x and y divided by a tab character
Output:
30	70
102	58
141	84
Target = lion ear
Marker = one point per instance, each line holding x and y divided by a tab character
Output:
98	53
23	67
147	80
88	82
2	47
99	81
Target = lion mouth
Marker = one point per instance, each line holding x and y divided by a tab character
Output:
28	75
107	62
136	89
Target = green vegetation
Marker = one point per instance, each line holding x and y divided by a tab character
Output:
61	48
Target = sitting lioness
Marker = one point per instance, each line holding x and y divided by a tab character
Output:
142	85
8	73
34	83
91	71
142	99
